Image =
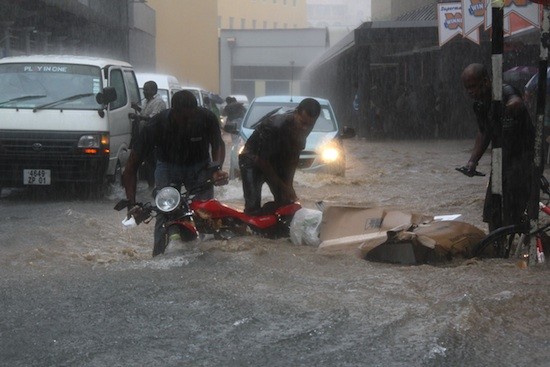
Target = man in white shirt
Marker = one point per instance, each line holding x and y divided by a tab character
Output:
153	105
153	102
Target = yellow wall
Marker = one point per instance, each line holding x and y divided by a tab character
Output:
187	41
276	13
187	32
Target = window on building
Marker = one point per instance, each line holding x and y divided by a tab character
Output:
253	23
231	21
219	21
265	24
243	23
275	25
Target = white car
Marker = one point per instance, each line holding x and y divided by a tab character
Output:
324	150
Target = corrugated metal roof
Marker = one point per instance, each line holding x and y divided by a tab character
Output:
427	12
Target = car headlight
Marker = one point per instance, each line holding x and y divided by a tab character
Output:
167	199
330	154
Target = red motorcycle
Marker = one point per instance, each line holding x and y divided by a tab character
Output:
191	218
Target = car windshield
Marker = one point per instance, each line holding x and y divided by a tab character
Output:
325	122
28	85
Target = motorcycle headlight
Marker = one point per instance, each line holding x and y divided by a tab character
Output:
167	199
330	154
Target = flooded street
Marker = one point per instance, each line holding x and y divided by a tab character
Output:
77	289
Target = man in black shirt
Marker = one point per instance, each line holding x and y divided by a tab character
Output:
517	146
272	153
184	138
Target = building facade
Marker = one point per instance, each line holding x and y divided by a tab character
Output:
262	14
266	62
392	9
188	32
103	28
187	41
337	13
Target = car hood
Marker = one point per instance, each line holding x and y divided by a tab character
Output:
314	140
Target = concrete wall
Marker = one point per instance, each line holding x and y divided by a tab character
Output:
187	41
142	34
263	62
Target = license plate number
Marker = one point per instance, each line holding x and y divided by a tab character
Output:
37	177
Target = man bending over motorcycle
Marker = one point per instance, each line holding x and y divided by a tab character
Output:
184	138
272	153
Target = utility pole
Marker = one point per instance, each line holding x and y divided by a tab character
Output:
538	165
497	48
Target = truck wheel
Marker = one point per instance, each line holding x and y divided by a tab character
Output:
116	178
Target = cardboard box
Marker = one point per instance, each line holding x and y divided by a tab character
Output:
431	243
391	235
344	228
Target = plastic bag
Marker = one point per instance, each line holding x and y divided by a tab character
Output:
304	228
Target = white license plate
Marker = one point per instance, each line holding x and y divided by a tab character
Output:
37	177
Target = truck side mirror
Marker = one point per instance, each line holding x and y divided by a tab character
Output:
107	96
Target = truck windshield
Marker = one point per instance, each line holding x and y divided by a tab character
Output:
30	85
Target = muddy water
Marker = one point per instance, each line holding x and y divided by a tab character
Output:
78	289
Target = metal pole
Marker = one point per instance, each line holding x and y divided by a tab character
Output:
497	48
291	77
533	208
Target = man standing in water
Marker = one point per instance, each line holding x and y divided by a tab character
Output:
272	153
184	138
517	143
153	105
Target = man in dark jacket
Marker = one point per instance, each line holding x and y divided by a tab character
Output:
184	138
272	153
517	146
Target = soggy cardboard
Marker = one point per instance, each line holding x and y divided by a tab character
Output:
392	235
344	228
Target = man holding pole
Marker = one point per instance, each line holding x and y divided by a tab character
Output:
517	138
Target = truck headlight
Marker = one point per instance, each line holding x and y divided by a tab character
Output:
167	199
94	144
89	141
